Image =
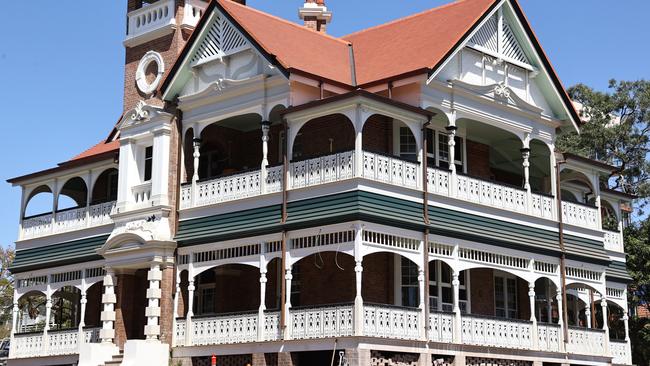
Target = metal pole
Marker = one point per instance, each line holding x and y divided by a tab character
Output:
562	249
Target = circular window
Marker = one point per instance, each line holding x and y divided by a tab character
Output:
150	72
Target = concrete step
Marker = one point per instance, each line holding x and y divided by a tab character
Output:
116	361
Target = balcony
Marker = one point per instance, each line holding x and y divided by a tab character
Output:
150	21
385	169
54	343
65	221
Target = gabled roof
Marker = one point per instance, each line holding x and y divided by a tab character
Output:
99	149
418	42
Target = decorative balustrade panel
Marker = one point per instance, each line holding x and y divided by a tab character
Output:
441	327
142	194
37	226
390	170
26	345
63	342
580	215
548	336
619	352
100	214
229	188
150	17
613	241
186	196
327	322
542	206
491	194
70	220
391	322
272	326
179	333
497	332
91	335
321	170
237	328
438	181
586	341
274	179
193	11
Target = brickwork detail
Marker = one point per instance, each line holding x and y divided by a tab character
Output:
380	358
482	361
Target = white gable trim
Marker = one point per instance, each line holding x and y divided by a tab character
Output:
220	39
496	38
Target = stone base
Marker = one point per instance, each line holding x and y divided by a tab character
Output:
96	354
150	353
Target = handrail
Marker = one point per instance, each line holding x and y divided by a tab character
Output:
492	181
317	156
490	317
324	306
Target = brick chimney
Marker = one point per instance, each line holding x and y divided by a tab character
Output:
315	15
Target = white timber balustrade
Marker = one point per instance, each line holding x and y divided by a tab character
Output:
59	343
491	194
619	351
386	321
441	327
389	169
322	322
192	12
142	194
67	220
496	332
321	170
587	341
151	20
613	241
580	215
224	329
548	336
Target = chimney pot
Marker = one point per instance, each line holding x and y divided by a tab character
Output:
315	15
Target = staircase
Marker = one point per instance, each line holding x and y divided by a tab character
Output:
117	359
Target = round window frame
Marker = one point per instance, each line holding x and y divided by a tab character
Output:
141	76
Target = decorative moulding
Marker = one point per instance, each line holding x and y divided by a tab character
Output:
500	92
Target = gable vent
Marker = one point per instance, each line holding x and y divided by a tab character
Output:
222	39
502	42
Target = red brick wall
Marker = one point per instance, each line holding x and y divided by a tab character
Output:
167	305
523	300
313	138
94	305
378	279
316	283
378	134
482	291
478	160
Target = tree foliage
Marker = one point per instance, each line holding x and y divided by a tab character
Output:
6	290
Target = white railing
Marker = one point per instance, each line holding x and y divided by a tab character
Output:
542	205
321	170
548	336
150	18
142	194
228	188
58	343
580	215
228	329
586	341
491	194
392	170
67	220
619	351
613	241
441	327
497	332
192	11
385	321
271	326
179	332
322	322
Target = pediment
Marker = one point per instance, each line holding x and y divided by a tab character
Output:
499	92
498	37
220	39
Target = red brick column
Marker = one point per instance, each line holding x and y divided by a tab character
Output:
167	287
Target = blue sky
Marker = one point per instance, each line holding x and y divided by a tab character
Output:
61	66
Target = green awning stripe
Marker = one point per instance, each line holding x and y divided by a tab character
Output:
71	252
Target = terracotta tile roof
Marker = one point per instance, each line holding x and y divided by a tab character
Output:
417	42
295	47
100	148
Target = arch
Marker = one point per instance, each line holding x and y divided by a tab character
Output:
66	308
576	310
73	194
324	135
227	288
568	196
94	304
441	287
615	321
326	267
31	312
41	205
540	167
580	180
105	187
188	155
230	146
609	216
546	305
274	115
126	239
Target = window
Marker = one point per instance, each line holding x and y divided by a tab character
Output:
295	285
505	296
431	147
112	186
206	300
148	162
407	145
409	283
440	278
443	152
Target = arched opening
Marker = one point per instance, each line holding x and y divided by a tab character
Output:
105	188
39	202
546	309
74	194
388	136
327	269
615	321
31	312
578	185
94	309
441	289
577	310
228	288
609	216
188	155
390	279
540	167
496	293
230	146
323	136
66	308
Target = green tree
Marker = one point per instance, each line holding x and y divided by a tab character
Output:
617	131
6	291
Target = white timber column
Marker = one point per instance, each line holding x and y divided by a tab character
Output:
48	316
160	165
55	203
177	294
196	155
89	195
628	345
287	312
455	284
263	280
423	309
190	303
358	272
603	304
358	143
82	320
451	143
154	294
588	315
533	317
266	126
554	189
14	318
560	314
107	333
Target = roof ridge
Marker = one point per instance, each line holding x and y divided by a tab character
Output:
398	20
288	22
